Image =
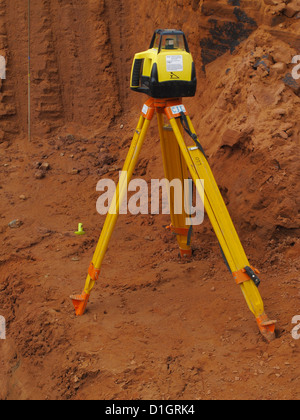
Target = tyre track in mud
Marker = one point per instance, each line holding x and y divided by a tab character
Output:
115	12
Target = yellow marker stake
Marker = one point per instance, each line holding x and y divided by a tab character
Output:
80	230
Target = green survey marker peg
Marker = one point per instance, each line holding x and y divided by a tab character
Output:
80	230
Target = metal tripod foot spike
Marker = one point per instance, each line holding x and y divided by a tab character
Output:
80	302
266	327
182	161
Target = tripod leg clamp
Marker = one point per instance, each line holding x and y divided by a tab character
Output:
178	231
182	232
246	274
93	272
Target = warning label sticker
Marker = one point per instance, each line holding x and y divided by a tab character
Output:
145	109
174	63
178	109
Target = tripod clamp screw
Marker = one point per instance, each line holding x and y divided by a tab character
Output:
246	274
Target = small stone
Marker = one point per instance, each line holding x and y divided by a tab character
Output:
74	172
292	8
45	166
39	174
23	197
280	68
283	135
15	224
280	112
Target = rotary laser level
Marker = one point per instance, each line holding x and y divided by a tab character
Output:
167	69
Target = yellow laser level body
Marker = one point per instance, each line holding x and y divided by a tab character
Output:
167	69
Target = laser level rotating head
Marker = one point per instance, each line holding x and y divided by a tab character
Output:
167	69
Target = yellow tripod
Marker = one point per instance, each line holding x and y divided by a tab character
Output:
179	160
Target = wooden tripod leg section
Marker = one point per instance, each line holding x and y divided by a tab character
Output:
176	170
80	301
221	221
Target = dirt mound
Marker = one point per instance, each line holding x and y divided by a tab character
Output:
156	327
251	130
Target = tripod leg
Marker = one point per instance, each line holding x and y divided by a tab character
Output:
175	169
230	243
80	301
